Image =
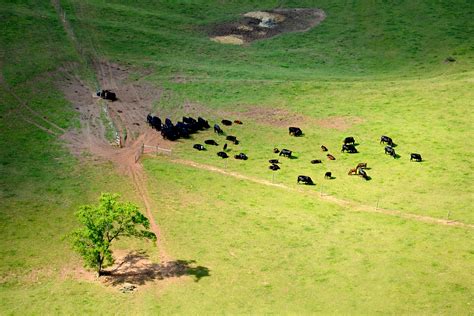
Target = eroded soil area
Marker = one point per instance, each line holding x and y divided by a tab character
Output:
265	24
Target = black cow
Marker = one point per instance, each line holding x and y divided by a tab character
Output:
276	150
389	150
169	132
274	167
107	95
222	154
218	130
241	156
232	139
211	142
203	124
168	122
156	123
349	140
285	153
305	180
189	120
324	148
416	157
315	161
363	174
225	147
226	122
149	117
273	161
349	148
295	131
199	147
328	175
387	140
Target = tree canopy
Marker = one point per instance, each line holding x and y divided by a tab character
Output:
104	223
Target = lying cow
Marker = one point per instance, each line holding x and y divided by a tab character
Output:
324	148
349	148
315	161
199	147
349	140
273	161
330	157
222	154
238	122
390	151
416	157
241	156
232	139
226	122
285	153
305	180
107	95
295	131
386	140
211	142
328	175
276	150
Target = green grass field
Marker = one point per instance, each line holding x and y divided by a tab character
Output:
268	250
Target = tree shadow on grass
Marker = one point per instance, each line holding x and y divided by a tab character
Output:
136	268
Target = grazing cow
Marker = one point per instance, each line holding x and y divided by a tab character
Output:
352	171
328	175
285	153
203	124
361	165
274	167
330	157
276	150
156	123
169	132
387	140
273	161
149	117
199	147
241	156
295	131
305	180
168	122
363	174
238	122
416	157
226	122
389	150
315	161
324	148
232	139
211	142
349	148
222	154
218	130
349	140
189	120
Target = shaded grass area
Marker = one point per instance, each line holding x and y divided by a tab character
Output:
271	250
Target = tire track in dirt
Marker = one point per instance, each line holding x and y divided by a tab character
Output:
350	205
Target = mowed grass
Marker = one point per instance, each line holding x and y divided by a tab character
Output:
269	250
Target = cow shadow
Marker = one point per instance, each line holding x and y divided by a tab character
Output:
292	157
331	178
136	268
368	178
397	156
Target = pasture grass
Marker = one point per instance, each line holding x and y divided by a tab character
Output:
268	250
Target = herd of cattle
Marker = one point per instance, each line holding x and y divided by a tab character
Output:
189	125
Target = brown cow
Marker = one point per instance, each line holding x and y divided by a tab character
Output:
324	148
352	171
331	157
362	165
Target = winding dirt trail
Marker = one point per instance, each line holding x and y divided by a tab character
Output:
349	205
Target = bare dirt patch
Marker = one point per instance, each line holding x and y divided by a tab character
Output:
341	123
265	24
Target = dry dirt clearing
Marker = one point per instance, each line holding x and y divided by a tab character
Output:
265	24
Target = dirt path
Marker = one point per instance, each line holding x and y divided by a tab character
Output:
350	205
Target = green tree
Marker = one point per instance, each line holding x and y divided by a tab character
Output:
104	223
